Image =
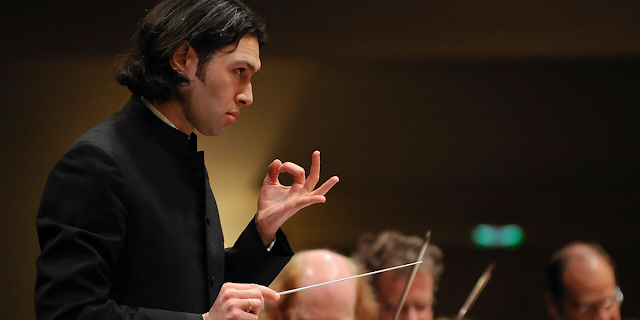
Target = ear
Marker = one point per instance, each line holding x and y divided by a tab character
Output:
183	58
551	306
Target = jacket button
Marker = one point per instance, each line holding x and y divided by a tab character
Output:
206	220
212	281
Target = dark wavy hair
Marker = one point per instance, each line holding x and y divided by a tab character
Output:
206	25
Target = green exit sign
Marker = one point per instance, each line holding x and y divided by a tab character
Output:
497	236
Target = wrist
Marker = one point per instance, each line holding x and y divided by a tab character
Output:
267	233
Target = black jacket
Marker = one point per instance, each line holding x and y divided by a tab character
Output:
129	228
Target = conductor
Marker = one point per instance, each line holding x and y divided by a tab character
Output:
128	225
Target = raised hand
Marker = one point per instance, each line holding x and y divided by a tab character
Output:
277	202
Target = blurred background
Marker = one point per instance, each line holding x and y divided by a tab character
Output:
436	115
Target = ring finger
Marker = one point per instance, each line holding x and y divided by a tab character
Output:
253	305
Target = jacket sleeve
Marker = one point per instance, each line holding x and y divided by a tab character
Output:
248	261
81	227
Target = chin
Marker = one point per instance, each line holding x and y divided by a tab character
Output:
211	131
214	132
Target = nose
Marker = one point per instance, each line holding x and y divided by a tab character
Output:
604	314
245	97
412	313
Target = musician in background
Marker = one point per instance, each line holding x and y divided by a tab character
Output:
581	284
346	300
390	249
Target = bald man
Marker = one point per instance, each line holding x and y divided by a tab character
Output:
582	284
346	300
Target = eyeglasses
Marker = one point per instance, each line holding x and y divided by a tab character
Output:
594	307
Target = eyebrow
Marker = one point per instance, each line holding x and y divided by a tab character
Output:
249	65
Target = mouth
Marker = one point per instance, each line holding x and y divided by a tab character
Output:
232	116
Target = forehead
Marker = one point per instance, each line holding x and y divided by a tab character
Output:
246	50
589	279
391	286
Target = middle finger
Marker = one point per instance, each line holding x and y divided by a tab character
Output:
314	174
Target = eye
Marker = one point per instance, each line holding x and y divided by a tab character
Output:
421	306
240	71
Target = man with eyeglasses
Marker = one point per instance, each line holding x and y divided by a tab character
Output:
581	284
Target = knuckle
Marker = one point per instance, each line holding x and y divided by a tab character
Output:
227	288
236	313
227	308
226	296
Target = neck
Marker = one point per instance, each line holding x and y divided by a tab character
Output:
173	110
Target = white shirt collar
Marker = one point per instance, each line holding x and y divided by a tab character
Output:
158	113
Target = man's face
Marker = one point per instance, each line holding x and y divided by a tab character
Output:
213	99
419	302
591	292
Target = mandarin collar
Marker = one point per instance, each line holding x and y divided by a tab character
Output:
166	135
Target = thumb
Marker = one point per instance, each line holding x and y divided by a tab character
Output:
272	172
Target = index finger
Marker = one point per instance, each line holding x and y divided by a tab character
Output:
295	170
266	292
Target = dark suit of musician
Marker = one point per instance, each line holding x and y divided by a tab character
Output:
129	228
